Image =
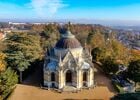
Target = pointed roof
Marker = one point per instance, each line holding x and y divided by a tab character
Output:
67	56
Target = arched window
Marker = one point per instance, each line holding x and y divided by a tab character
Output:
52	76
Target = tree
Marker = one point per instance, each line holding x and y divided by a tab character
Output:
117	51
2	62
51	33
134	71
110	66
98	53
22	49
96	39
135	54
18	61
49	36
8	79
127	96
2	46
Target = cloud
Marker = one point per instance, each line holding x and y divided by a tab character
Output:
47	7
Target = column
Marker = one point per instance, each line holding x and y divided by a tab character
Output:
60	86
90	77
49	80
79	79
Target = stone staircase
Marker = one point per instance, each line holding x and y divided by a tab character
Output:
69	89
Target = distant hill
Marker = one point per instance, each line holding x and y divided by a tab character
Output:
128	28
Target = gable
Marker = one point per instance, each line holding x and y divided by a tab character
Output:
69	60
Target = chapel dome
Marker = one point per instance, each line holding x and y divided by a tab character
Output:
68	40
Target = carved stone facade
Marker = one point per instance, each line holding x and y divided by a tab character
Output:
68	64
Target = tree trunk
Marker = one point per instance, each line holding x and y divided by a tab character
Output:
135	84
20	76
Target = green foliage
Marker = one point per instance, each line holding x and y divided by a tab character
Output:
49	36
91	35
17	60
7	80
110	66
118	87
134	70
22	49
105	45
119	51
96	39
98	53
51	33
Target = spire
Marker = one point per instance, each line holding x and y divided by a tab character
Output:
85	44
60	60
90	54
89	51
68	33
69	25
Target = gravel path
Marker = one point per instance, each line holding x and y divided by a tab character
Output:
103	91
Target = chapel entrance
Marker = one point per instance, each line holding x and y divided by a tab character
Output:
85	78
69	77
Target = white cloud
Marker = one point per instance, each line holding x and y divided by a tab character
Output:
47	8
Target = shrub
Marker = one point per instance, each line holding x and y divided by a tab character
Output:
127	96
110	66
118	87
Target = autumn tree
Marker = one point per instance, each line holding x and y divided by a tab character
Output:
117	51
2	46
49	36
37	29
105	45
2	62
2	56
135	54
51	33
96	39
97	43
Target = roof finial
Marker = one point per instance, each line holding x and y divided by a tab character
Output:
85	44
69	25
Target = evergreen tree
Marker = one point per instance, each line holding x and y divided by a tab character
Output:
110	66
8	79
134	71
22	49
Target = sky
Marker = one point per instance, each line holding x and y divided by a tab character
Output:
126	10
